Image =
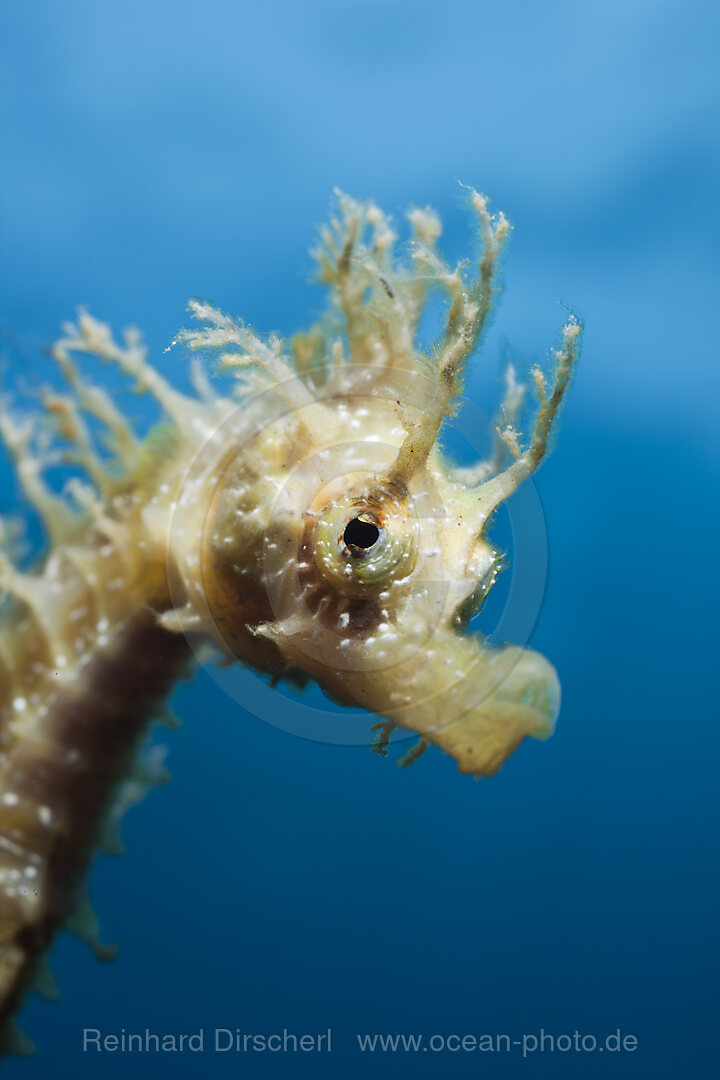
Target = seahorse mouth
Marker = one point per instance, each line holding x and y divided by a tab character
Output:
478	715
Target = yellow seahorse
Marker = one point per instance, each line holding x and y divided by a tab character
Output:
306	524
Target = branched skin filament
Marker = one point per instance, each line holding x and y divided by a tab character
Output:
304	521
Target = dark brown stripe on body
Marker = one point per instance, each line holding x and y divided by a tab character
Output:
85	748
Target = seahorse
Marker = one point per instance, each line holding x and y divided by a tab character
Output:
300	516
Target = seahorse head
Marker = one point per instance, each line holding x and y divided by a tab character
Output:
337	542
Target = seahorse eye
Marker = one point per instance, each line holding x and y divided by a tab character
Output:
361	534
362	543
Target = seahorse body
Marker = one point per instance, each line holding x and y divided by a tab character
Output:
306	524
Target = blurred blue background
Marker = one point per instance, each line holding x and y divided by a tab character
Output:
154	151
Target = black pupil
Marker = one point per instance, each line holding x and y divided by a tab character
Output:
360	534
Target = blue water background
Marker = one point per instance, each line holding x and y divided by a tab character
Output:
155	151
